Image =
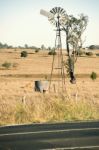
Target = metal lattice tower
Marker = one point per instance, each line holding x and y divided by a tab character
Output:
57	16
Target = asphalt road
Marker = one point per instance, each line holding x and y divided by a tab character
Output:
71	135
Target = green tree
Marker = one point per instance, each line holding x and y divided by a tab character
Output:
43	47
26	46
49	48
3	45
74	29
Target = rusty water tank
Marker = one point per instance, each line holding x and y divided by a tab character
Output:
41	86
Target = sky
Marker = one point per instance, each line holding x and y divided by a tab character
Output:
21	22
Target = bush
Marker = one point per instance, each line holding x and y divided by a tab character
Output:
51	53
37	50
93	76
7	65
24	54
80	53
97	54
89	53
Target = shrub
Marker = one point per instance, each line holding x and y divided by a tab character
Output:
51	53
97	54
80	53
93	76
89	53
7	65
24	54
37	50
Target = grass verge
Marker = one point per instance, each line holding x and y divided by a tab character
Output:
48	108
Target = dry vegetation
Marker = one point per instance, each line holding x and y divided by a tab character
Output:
19	103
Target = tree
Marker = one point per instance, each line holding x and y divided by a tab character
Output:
42	47
3	45
26	46
49	48
74	29
94	47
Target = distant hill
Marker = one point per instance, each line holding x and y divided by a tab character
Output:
94	47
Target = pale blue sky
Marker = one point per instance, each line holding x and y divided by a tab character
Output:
21	22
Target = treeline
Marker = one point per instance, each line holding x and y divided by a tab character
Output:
3	46
94	47
26	46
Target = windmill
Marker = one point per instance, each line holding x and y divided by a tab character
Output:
58	17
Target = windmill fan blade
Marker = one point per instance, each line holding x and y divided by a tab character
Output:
63	12
54	14
59	9
45	13
54	10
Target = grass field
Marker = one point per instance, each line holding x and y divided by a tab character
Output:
19	103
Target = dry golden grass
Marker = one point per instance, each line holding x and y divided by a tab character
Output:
40	63
46	108
19	103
